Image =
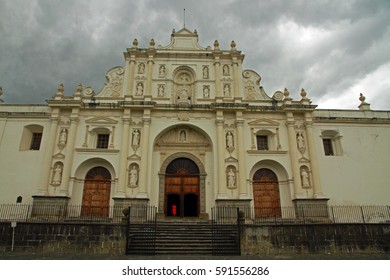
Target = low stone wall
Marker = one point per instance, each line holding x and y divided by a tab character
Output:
315	238
255	239
64	238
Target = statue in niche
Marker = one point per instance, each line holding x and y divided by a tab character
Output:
57	174
141	68
301	142
140	89
161	71
183	136
226	90
226	70
161	90
305	179
133	177
206	91
231	179
229	140
136	137
63	137
205	72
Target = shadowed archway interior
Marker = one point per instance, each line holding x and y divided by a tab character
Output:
182	188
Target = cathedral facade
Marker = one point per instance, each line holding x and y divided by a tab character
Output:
186	127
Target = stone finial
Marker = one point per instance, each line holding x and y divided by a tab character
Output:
233	46
216	45
79	89
363	104
152	43
362	98
135	43
60	89
286	93
303	93
195	32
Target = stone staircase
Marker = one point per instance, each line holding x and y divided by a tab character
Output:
183	237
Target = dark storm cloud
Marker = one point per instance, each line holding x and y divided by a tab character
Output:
327	47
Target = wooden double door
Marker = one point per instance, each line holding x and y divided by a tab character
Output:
96	193
182	189
266	194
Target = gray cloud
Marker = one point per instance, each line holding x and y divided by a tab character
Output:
325	46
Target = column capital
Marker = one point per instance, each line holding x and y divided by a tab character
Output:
219	122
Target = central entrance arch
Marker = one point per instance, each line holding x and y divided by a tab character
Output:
182	189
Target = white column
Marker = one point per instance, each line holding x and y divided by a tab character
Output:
46	168
221	159
294	158
130	84
218	91
148	89
121	191
236	91
313	158
243	189
144	168
64	188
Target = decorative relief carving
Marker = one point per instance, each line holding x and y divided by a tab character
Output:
113	87
182	136
231	177
252	88
227	91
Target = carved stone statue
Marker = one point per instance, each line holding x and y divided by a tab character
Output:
136	137
183	136
229	140
206	92
305	179
226	70
141	68
226	90
161	72
205	72
57	174
133	177
140	89
301	142
63	137
161	90
231	178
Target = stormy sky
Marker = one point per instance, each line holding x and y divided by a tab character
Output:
334	49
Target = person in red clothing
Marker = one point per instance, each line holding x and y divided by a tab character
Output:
174	210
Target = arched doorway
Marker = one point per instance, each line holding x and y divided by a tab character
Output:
182	188
266	195
96	193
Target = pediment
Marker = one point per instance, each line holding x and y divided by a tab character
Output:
184	39
264	122
101	120
180	137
